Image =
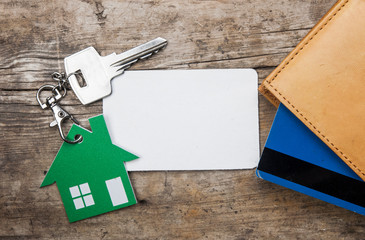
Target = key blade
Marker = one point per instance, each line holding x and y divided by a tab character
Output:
121	68
141	52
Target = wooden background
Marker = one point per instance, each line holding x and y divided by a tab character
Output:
36	35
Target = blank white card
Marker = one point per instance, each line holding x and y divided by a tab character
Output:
185	119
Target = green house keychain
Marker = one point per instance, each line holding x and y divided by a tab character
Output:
90	175
89	170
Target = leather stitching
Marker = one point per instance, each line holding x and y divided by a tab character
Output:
299	112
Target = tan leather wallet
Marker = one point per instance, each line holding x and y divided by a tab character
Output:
322	81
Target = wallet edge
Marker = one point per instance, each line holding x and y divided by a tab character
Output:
275	97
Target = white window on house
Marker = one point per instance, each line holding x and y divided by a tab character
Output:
81	195
116	191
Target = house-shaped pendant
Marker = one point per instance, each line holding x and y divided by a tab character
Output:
90	175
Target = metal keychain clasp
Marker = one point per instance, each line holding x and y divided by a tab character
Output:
58	92
62	115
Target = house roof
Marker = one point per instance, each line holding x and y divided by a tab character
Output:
94	156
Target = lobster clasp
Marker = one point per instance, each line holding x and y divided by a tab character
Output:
62	115
57	93
56	96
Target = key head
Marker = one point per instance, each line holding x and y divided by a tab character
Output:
96	76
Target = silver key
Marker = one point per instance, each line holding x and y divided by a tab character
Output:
98	71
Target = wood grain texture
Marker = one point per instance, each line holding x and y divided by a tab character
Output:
35	36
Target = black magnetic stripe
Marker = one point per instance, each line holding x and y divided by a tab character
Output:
313	176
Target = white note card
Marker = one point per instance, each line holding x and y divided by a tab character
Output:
185	119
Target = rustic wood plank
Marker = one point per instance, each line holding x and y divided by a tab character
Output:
36	35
